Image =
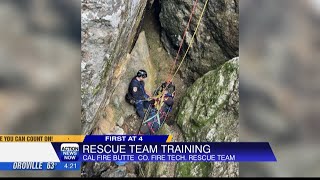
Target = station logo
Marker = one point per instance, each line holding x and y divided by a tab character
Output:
69	151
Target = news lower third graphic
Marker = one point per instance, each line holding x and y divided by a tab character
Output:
36	152
66	153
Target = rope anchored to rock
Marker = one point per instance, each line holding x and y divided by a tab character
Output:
161	95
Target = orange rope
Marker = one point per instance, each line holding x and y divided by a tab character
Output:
184	34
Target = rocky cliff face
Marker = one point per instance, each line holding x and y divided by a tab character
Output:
209	112
108	30
216	40
108	66
117	112
210	109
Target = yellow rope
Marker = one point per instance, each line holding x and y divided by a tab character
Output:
190	43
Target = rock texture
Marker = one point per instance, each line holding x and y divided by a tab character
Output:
209	112
162	169
279	85
107	32
107	68
216	40
117	117
39	71
117	110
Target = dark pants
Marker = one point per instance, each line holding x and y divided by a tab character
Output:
140	106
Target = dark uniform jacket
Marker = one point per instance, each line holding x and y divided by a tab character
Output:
136	89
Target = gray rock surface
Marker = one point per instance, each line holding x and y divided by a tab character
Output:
108	30
279	85
39	71
117	172
210	109
120	121
216	40
117	116
117	110
162	169
209	112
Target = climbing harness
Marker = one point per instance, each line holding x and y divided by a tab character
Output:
159	93
158	111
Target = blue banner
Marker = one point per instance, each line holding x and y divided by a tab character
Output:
166	152
40	166
126	138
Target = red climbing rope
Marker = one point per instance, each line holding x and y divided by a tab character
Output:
184	34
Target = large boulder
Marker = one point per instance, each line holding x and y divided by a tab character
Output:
108	30
116	108
209	112
216	40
